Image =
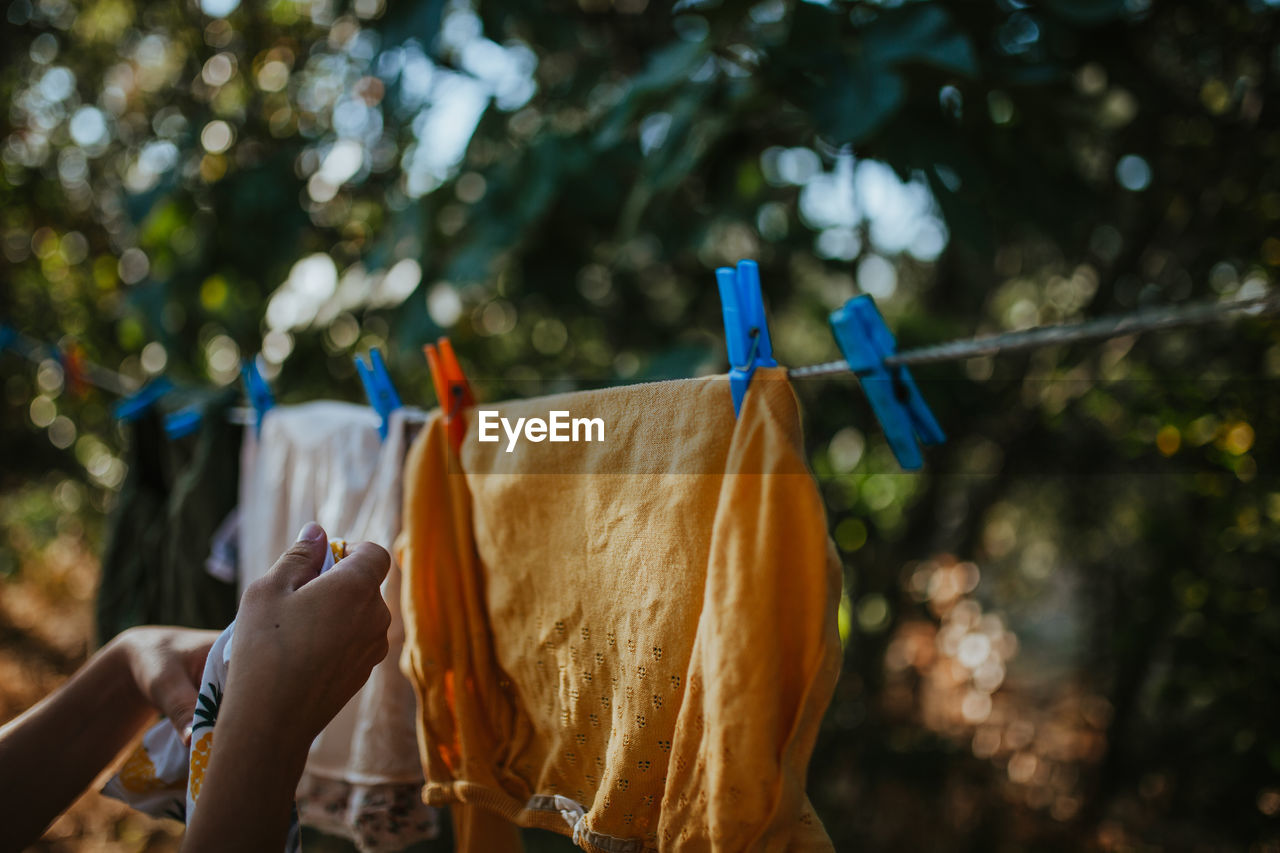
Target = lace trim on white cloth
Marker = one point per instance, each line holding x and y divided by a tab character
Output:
375	818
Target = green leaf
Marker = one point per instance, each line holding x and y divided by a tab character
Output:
667	69
855	85
814	26
1088	12
857	101
919	33
419	20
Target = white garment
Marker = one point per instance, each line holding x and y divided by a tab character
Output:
325	462
312	462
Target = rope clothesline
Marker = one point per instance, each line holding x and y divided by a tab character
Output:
1157	319
1104	328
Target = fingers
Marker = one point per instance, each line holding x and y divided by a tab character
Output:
302	562
370	558
357	580
175	696
365	564
193	645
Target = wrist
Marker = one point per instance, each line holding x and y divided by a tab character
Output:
261	726
116	660
245	801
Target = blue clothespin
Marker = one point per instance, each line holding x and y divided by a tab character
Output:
746	332
182	422
258	392
378	388
135	405
903	414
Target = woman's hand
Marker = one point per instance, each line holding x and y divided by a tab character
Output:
304	644
166	665
51	753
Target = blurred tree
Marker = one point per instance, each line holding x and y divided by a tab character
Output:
185	184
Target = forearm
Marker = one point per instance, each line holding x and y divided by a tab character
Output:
51	753
247	796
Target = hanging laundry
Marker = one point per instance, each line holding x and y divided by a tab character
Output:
326	462
175	494
630	642
224	549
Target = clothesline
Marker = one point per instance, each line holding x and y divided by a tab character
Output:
105	378
95	374
1105	328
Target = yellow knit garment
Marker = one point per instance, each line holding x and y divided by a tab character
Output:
644	625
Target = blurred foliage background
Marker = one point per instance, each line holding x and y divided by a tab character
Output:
1061	635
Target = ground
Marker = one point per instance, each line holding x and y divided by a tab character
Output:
46	626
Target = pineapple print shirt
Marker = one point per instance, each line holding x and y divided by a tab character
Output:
162	777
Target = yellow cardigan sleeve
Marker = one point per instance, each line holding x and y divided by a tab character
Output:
767	652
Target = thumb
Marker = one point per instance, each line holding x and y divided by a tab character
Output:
302	562
176	697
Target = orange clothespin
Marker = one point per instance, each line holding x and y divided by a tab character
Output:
452	389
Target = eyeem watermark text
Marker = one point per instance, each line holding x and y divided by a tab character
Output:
558	427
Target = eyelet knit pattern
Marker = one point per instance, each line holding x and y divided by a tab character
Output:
638	633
